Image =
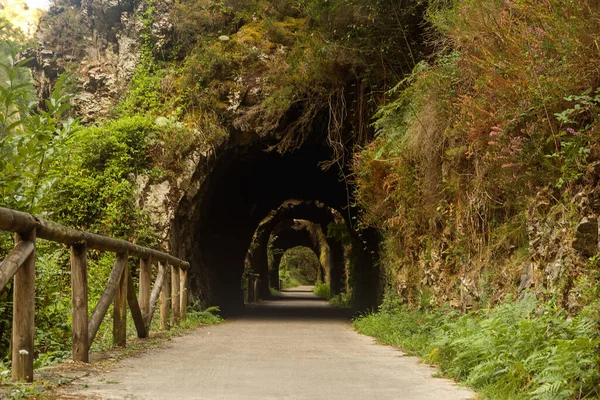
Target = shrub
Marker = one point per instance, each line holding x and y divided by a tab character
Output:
97	191
322	290
521	349
468	139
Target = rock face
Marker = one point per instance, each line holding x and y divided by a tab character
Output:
586	236
98	43
526	277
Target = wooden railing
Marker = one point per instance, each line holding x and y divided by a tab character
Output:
19	265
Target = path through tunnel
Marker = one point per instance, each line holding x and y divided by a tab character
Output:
214	229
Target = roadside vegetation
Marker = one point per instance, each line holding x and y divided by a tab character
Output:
322	290
523	349
483	148
473	179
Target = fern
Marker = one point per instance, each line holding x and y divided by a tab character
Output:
520	349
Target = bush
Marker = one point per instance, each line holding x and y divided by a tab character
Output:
322	290
342	300
196	315
96	192
473	134
522	349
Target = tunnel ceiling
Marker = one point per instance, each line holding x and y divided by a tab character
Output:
290	236
313	211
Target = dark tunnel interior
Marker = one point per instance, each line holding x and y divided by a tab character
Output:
214	230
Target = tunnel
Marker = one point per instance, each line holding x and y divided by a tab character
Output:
288	234
320	217
299	264
213	228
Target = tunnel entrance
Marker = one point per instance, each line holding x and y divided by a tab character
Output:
214	228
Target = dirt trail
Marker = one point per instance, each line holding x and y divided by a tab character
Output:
295	347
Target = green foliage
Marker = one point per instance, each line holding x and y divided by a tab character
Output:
144	94
97	192
308	55
23	391
339	232
196	315
31	141
379	32
342	300
322	290
145	87
82	178
521	349
396	325
53	305
34	146
470	136
288	280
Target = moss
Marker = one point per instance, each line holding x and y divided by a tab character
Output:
284	32
253	33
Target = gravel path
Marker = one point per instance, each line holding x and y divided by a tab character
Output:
295	347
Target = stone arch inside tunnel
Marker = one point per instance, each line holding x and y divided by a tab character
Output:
288	234
216	221
316	219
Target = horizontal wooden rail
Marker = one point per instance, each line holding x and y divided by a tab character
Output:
16	221
19	265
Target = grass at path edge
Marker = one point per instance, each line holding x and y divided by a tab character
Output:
521	349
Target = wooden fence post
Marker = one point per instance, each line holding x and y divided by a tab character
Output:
79	303
134	308
23	314
175	294
120	310
183	292
145	286
156	290
107	296
164	298
11	264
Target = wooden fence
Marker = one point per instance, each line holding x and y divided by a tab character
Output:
19	265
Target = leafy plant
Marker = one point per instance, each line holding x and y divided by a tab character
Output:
521	349
322	290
